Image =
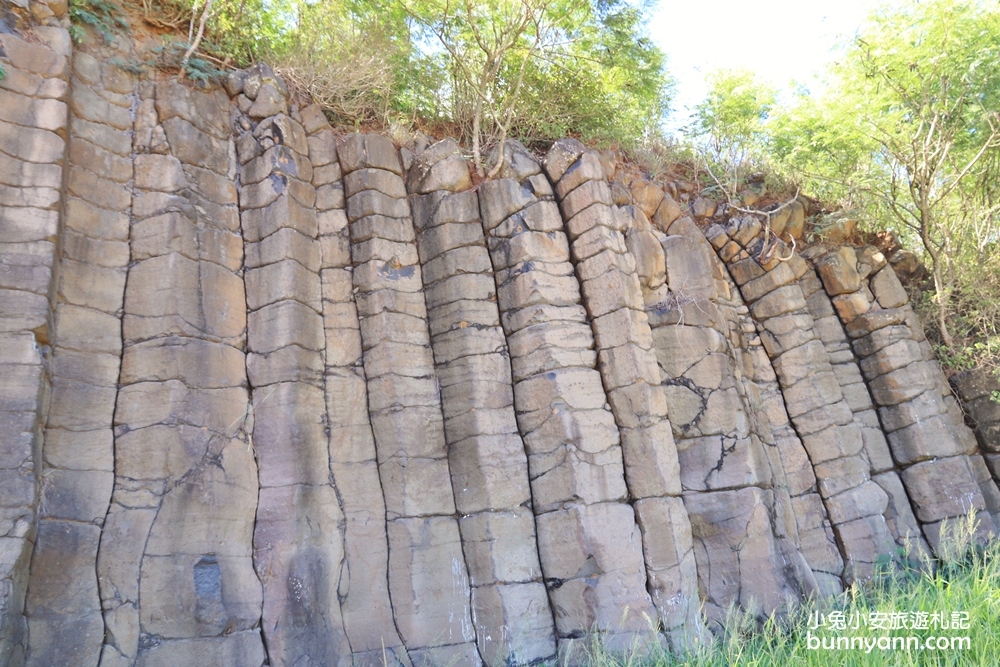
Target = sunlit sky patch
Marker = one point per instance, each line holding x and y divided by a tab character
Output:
780	40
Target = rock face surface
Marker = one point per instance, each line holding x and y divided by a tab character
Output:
273	395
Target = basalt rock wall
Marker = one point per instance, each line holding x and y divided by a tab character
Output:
278	395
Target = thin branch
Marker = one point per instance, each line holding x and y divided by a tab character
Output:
201	33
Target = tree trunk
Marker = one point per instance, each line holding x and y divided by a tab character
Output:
477	157
941	294
940	289
477	116
201	33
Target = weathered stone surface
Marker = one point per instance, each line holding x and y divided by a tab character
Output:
426	614
727	517
576	547
888	290
899	516
839	272
650	259
368	150
924	482
321	392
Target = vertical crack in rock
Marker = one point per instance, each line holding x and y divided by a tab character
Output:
489	469
428	580
506	172
813	397
589	542
33	153
759	383
363	587
612	295
940	467
741	515
298	543
109	642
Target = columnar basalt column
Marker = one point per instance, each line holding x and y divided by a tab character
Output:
33	131
428	581
298	538
813	398
612	295
898	515
589	542
178	535
800	520
363	584
78	450
273	395
743	538
808	524
489	468
940	466
815	538
976	389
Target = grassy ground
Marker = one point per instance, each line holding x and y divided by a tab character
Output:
966	579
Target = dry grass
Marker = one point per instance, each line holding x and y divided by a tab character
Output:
351	82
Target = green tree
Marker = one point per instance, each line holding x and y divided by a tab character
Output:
488	47
730	125
908	133
607	82
822	147
534	69
354	57
544	68
924	86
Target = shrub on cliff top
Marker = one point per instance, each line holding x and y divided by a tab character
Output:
536	70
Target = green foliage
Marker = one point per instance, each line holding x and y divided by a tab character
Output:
103	16
354	58
972	354
605	80
237	33
730	125
965	579
3	73
170	53
541	69
535	69
201	70
244	31
907	137
135	67
917	90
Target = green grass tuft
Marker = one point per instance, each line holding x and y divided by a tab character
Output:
966	578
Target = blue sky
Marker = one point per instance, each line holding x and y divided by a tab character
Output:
781	40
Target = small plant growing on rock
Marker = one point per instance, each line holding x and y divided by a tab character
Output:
171	54
135	67
103	16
